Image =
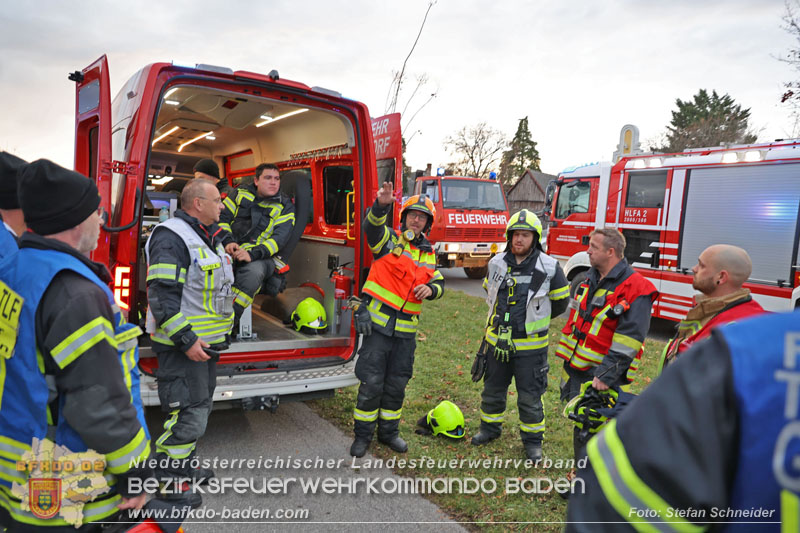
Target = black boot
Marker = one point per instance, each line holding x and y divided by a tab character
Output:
202	475
483	437
533	450
359	447
395	443
179	494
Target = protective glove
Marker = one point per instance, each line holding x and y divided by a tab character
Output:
505	346
363	321
479	364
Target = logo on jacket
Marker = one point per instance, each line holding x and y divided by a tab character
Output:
45	497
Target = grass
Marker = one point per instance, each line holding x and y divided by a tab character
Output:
449	334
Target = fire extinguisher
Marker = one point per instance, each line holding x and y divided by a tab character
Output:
341	291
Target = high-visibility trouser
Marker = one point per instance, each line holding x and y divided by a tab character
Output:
384	366
530	376
248	280
186	390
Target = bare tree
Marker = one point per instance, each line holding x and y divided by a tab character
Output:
399	79
791	97
478	148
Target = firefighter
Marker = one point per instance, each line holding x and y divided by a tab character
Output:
719	274
69	374
207	169
402	275
259	219
723	447
603	338
189	316
524	288
10	214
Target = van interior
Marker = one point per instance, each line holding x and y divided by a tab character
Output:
313	148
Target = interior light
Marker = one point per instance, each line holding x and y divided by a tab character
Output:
161	180
164	135
269	120
654	162
753	155
639	163
171	91
187	143
172	102
730	157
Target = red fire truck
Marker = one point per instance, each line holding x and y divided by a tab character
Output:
141	148
470	223
670	207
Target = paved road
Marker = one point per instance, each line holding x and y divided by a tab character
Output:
295	432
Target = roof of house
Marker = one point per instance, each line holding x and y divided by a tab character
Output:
539	178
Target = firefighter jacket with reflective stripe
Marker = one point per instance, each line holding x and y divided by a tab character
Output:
38	404
536	282
708	314
718	431
207	295
591	332
262	226
8	243
390	284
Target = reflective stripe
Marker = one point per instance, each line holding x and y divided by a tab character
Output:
83	339
790	512
386	414
12	449
492	418
406	326
625	490
365	416
175	324
245	195
285	218
241	298
229	204
597	323
412	307
271	245
539	325
386	234
376	221
379	317
174	451
9	472
521	344
162	271
225	226
386	296
589	355
559	294
138	448
182	276
532	428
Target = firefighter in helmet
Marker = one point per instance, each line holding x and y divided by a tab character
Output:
402	275
524	288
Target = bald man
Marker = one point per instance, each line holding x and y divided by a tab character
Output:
719	274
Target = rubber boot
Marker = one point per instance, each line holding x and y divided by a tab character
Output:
483	437
533	450
359	447
396	443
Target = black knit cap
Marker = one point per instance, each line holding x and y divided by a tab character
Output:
54	199
10	165
207	166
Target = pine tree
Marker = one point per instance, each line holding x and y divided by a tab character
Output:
521	155
707	120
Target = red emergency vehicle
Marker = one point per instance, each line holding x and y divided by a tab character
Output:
470	223
670	207
141	148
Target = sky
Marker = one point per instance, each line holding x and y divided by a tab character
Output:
578	70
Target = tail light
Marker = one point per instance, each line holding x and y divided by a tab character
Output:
122	286
796	278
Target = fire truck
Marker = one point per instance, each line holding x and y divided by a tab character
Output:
670	207
470	223
141	147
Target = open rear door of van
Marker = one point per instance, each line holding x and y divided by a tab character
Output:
93	136
388	141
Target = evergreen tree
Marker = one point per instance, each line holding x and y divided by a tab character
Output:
707	120
521	155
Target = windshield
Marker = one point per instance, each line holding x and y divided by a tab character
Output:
472	194
573	198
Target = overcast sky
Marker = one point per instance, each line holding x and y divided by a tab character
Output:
579	70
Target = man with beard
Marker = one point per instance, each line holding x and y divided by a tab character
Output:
719	274
524	288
